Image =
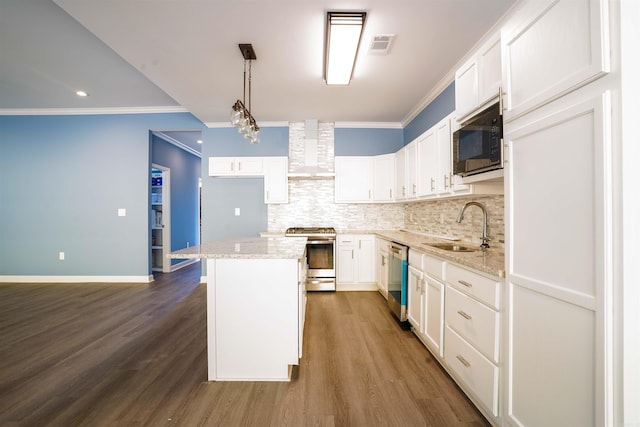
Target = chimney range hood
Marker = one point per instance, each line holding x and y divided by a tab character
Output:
310	169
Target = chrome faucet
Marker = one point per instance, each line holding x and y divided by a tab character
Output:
485	238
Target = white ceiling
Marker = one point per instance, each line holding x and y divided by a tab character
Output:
183	55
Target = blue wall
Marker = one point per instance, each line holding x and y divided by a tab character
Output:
62	181
185	173
443	105
367	142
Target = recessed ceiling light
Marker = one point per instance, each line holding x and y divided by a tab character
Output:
82	93
199	141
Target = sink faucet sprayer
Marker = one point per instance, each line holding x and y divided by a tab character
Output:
485	239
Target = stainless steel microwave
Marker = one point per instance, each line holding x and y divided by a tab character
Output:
477	145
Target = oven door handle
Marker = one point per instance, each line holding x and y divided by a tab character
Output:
320	242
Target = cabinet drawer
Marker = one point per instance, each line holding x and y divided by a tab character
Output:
475	371
415	259
483	288
475	322
433	267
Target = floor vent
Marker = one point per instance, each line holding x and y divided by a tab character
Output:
380	44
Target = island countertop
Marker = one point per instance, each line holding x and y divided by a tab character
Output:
246	248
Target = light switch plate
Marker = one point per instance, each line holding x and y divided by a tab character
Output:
237	211
122	212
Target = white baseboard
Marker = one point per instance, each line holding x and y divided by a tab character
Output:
76	279
183	264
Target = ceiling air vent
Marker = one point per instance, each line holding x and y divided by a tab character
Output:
380	44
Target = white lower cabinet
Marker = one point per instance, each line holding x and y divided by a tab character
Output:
355	269
382	266
472	335
455	312
425	300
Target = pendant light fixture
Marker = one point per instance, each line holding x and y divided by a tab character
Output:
241	115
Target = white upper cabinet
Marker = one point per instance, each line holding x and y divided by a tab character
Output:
551	48
365	179
384	177
427	159
353	179
276	183
401	185
467	87
478	80
235	166
411	170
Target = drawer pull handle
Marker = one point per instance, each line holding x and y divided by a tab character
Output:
463	361
463	314
467	284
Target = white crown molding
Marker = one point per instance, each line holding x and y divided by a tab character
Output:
213	125
76	279
88	111
368	125
177	143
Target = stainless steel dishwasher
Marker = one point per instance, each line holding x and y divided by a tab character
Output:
397	295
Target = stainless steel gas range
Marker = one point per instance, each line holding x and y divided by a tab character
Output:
321	255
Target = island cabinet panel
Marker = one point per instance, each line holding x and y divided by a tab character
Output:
253	305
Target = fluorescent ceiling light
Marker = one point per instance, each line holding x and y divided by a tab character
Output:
342	38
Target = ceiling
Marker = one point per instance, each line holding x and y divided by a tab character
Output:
170	55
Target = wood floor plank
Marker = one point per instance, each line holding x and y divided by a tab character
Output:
135	355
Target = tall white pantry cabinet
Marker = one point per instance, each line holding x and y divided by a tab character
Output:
561	79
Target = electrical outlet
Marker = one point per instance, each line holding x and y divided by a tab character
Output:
61	256
237	212
122	212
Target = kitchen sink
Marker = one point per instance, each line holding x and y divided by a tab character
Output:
454	247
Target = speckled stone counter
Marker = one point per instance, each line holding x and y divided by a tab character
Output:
490	261
247	248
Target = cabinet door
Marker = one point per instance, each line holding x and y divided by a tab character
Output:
222	166
443	143
415	300
467	88
411	170
544	59
434	314
427	163
353	179
366	259
346	263
384	173
383	268
489	70
276	183
560	264
401	179
249	165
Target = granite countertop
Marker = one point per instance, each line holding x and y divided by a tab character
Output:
490	261
247	248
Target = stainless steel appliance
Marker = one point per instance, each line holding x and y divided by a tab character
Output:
397	280
321	254
477	145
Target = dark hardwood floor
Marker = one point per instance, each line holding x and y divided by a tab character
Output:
134	355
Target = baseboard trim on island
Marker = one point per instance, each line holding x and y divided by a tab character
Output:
76	279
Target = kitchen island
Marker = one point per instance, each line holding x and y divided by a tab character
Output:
255	306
